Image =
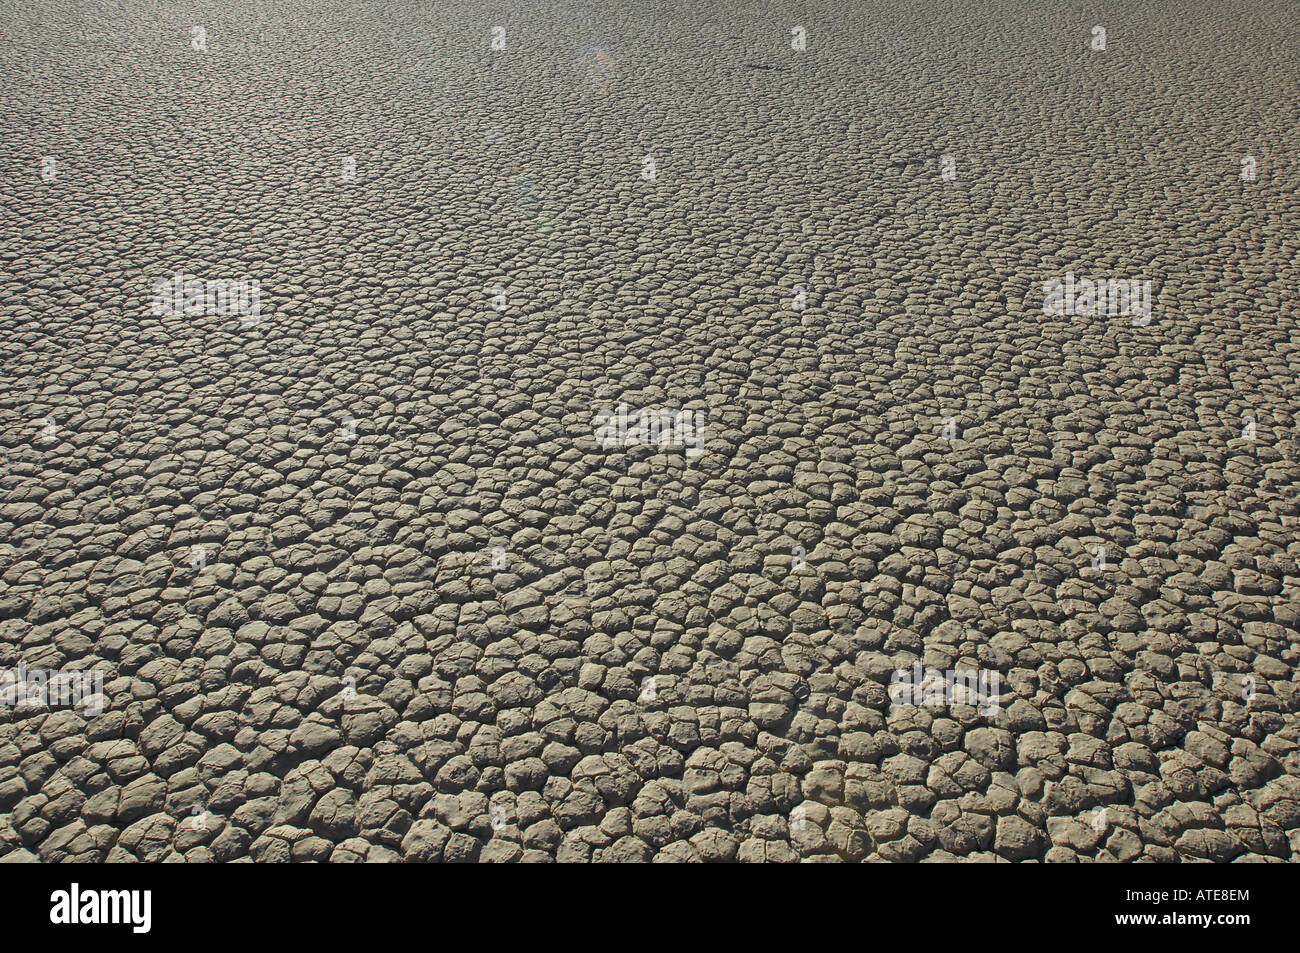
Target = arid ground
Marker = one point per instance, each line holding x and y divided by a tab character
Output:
448	431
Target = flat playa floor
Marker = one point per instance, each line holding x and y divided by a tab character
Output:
557	451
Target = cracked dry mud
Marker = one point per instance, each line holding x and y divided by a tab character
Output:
458	627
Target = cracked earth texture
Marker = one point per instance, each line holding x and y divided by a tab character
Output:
364	584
